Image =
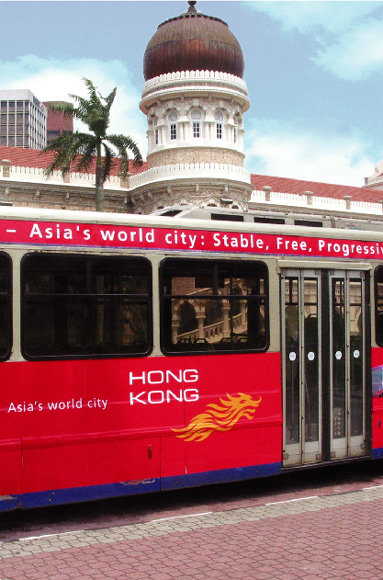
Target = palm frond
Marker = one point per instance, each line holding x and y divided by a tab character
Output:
123	144
107	161
67	149
66	109
110	99
88	154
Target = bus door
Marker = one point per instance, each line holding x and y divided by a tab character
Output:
324	365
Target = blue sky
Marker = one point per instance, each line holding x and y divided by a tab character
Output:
314	72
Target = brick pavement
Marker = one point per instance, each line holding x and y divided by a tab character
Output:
329	537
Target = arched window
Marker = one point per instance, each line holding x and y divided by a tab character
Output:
172	118
237	124
196	117
218	116
156	132
235	132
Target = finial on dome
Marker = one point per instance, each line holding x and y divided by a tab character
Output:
192	7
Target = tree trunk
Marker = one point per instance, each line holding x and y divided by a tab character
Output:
99	188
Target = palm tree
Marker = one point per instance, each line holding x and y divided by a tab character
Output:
80	149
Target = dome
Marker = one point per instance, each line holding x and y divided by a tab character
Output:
193	41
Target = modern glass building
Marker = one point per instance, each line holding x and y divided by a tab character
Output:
23	121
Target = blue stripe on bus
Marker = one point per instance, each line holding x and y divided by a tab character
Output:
377	453
222	476
113	490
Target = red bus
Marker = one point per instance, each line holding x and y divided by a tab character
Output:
148	353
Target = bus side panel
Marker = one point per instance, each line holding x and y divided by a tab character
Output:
10	474
11	392
124	460
53	464
377	402
236	422
98	422
77	424
256	439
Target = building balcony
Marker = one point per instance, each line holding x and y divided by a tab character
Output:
187	171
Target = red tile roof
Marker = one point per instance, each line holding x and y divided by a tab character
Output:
34	158
299	186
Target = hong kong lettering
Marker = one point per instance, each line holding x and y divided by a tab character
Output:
167	396
166	378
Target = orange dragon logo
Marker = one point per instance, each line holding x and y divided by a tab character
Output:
219	417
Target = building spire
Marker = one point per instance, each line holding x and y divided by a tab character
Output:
192	8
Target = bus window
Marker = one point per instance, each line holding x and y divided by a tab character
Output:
5	307
84	306
379	305
213	306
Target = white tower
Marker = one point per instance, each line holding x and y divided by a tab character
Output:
194	98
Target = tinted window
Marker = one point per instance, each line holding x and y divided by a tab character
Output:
84	305
213	306
227	217
308	223
5	306
268	220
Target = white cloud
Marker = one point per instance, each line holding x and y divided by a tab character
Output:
305	17
54	80
356	54
348	38
289	150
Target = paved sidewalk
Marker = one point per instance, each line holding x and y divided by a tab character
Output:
330	537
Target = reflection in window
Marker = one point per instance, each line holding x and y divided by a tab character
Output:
357	357
210	306
83	305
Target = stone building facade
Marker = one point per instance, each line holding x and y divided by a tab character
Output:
195	100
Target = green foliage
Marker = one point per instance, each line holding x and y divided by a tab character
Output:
78	150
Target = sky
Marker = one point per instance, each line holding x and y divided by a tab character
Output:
314	72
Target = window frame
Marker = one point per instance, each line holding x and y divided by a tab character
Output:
378	302
196	129
8	306
172	118
196	119
87	298
173	131
219	119
244	269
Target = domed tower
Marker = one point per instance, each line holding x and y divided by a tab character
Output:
194	98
